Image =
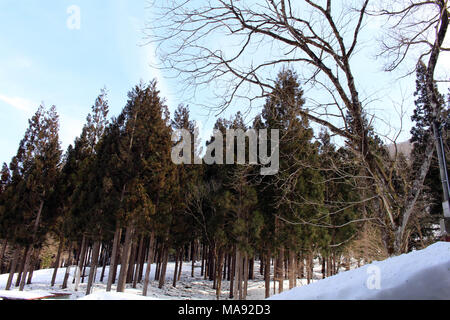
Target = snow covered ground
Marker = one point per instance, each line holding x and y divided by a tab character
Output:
423	274
188	288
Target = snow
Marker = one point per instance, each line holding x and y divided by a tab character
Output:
188	288
25	295
423	275
114	296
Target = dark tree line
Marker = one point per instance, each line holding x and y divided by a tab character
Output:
116	199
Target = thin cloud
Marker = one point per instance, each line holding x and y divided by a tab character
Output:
18	103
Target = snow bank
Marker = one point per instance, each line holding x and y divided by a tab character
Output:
418	275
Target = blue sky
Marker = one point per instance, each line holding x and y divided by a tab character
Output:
43	60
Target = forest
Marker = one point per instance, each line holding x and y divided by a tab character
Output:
343	195
116	198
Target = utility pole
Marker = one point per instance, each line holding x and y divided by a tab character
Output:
445	222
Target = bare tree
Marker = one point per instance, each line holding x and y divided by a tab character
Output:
318	39
417	30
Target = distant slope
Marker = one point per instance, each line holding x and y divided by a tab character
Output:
403	147
421	274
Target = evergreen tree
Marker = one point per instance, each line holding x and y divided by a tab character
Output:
35	170
341	200
245	220
80	187
421	133
292	200
141	166
184	230
5	180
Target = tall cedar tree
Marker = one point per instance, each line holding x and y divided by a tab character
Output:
245	220
144	168
35	170
79	187
295	194
188	177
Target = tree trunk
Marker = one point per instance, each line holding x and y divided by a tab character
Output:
86	262
206	271
225	266
262	263
308	270
137	276
57	260
400	244
286	266
67	273
214	271
114	256
267	273
238	276
158	253
291	270
203	261
324	261
232	272
132	263
309	267
28	258
280	271
30	251
275	275
336	263
34	265
162	277
230	265
93	267
180	266
301	266
12	271
175	271
81	260
105	250
21	266
121	284
211	266
149	264
245	276
219	273
193	259
251	269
